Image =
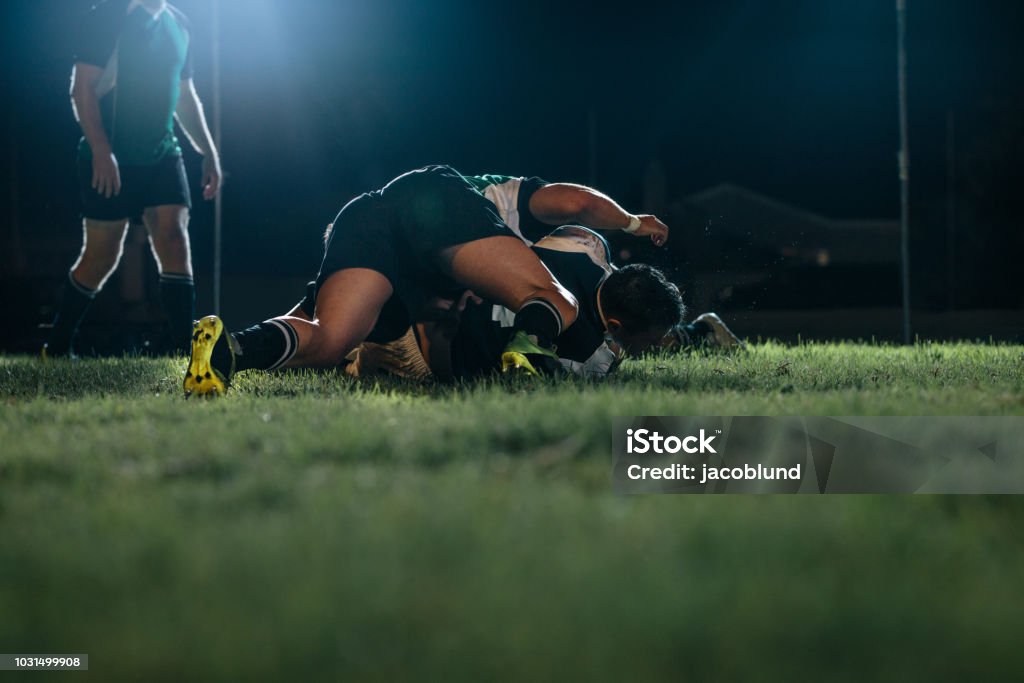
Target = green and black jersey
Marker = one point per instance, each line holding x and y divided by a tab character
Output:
512	197
144	60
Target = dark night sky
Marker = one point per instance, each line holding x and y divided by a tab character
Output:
323	99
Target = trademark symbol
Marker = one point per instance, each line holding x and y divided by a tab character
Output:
718	431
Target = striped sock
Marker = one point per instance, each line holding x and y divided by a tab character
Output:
266	346
82	289
291	342
541	319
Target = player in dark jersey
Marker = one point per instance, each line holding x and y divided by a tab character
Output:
427	234
132	78
626	310
513	197
622	312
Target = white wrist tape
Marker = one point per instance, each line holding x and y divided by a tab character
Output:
634	225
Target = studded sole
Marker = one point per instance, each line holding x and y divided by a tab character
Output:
200	377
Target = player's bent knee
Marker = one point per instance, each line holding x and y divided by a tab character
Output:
561	299
326	351
171	242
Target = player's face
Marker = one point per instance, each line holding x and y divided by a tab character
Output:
636	343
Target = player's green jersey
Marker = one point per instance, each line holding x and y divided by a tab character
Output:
145	57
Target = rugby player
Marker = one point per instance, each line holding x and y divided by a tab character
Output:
132	78
622	312
430	233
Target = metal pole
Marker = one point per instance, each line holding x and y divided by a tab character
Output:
950	210
904	165
17	260
217	202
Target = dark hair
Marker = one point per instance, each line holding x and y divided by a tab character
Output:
641	298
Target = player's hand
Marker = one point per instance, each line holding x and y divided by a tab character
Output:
212	176
464	300
106	176
650	225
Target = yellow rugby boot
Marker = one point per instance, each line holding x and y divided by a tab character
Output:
517	357
203	377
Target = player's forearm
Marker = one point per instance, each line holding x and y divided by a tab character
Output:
563	203
87	110
193	122
599	211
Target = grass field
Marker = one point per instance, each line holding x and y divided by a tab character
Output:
311	528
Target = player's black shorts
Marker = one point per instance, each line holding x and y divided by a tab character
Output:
159	184
398	232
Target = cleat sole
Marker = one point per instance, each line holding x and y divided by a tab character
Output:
201	379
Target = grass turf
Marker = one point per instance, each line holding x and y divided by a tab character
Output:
308	527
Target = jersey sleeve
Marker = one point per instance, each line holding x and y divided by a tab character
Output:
97	33
531	228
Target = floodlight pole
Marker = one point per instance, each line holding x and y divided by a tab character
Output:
218	206
904	164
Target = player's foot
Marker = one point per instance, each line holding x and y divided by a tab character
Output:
523	355
213	359
718	335
707	331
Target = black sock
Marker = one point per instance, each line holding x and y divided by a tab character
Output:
266	346
74	304
539	318
178	294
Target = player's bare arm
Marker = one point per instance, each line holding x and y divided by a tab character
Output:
564	203
192	119
106	176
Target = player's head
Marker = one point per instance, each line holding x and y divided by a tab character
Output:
640	306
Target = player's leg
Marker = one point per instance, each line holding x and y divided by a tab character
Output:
505	270
347	306
102	245
168	237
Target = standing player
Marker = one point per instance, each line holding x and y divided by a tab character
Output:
132	77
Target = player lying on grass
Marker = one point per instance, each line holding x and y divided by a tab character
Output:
706	331
622	312
430	233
